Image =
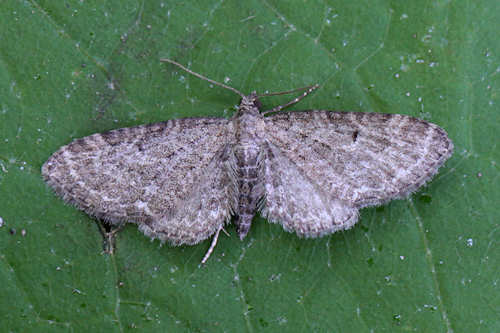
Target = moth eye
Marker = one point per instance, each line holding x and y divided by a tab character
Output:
257	104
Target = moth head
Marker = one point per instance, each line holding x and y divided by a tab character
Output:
250	102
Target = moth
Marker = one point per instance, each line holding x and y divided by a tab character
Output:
182	180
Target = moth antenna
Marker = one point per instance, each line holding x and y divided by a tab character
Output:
308	88
202	77
307	91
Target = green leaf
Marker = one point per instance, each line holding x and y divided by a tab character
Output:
427	264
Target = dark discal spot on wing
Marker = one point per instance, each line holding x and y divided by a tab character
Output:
355	136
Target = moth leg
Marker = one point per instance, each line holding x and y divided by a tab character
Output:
212	246
108	236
